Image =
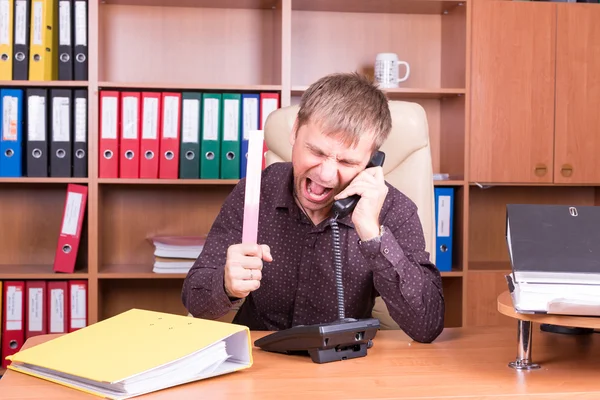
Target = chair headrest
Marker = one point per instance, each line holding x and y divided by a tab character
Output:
409	133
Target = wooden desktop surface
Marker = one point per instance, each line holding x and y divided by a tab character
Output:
463	363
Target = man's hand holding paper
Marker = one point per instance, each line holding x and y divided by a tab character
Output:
243	268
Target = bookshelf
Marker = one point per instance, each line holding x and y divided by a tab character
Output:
227	46
469	94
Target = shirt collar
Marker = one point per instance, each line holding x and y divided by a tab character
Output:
284	198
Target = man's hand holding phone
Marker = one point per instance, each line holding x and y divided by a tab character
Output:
243	268
370	186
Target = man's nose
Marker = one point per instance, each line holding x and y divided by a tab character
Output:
328	171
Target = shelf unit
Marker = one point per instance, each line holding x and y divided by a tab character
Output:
533	128
231	45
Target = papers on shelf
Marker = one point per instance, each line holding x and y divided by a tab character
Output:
176	254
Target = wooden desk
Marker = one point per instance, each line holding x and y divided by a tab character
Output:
461	364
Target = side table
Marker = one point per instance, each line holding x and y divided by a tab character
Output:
525	324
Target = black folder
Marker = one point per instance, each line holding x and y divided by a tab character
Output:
36	145
65	40
80	138
61	128
22	15
554	243
81	40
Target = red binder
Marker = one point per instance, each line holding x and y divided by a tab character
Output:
109	134
13	319
149	143
70	231
78	305
129	146
169	137
269	102
36	310
58	306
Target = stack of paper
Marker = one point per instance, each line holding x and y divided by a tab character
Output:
176	254
555	256
138	352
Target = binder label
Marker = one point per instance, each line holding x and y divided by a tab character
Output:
36	126
9	118
20	21
57	315
80	120
72	209
231	120
60	119
268	106
211	119
109	118
443	228
190	125
4	22
250	116
64	24
80	23
130	117
78	311
170	117
38	14
14	308
36	309
150	125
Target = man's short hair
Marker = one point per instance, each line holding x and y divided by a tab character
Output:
347	103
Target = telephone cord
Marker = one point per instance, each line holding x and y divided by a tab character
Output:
337	259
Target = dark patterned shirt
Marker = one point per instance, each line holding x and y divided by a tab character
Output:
298	286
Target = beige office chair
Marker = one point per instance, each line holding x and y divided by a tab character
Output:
407	166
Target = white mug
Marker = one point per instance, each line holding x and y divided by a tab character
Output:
387	68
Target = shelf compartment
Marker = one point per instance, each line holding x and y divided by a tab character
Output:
453	297
75	84
483	289
226	46
129	215
243	4
449	182
188	86
49	180
405	93
134	271
487	218
30	272
490	266
127	181
458	258
378	6
434	45
32	216
117	296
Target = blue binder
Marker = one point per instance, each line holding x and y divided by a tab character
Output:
444	226
250	115
11	138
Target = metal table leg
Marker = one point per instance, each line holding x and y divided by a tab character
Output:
524	337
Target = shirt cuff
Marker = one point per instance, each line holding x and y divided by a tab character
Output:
384	252
219	293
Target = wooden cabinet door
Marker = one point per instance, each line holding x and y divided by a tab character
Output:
577	132
512	87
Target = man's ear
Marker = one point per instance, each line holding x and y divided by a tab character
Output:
293	132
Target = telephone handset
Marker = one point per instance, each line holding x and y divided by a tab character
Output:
343	207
